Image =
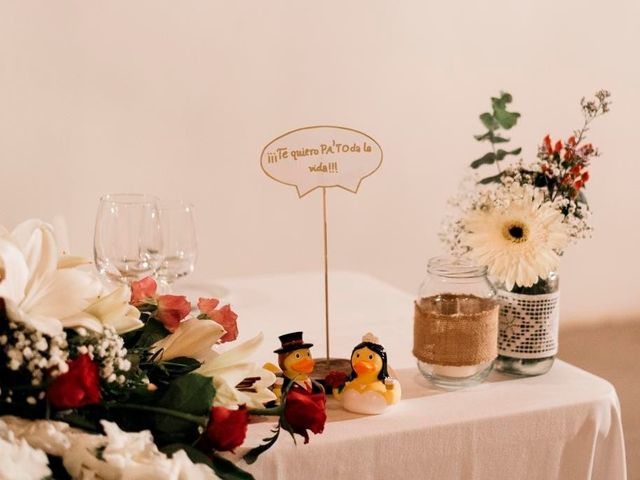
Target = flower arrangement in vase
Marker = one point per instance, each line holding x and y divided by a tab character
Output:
518	222
116	382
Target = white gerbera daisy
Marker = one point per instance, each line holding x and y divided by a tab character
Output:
520	243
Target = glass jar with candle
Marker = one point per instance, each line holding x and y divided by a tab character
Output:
455	323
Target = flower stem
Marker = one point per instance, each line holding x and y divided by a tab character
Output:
200	420
275	411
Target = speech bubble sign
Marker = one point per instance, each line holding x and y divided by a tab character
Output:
321	157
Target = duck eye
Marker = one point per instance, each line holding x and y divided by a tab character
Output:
357	355
370	357
297	355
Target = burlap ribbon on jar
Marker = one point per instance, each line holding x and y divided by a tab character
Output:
455	330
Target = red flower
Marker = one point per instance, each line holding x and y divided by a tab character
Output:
558	147
171	310
223	316
227	429
585	177
572	141
305	411
143	291
575	170
336	379
547	144
78	387
227	318
207	305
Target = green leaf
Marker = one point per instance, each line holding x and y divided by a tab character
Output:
486	159
492	179
488	121
152	332
254	453
180	366
491	137
582	198
228	470
192	394
484	136
500	154
506	119
501	103
223	468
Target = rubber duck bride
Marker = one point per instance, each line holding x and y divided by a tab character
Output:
370	389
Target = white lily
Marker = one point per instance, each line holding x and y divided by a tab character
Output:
113	309
227	370
48	292
35	290
193	338
197	339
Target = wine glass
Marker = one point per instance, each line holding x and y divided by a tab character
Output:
179	242
127	239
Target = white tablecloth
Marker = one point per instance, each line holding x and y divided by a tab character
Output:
564	425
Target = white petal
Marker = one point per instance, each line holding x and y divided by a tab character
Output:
14	272
65	293
35	239
193	338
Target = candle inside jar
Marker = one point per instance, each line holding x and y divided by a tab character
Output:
455	335
455	372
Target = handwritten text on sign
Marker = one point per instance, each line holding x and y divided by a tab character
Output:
324	156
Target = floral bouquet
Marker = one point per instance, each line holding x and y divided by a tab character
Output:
95	382
518	223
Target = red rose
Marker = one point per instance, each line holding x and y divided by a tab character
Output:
305	411
78	387
207	305
227	318
143	291
171	310
336	379
227	429
223	316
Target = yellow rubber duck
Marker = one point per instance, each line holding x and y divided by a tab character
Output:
370	389
296	362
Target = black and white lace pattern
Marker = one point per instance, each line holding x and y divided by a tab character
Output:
528	325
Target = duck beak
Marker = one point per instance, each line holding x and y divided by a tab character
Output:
364	367
304	366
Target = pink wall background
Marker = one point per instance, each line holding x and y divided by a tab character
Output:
178	99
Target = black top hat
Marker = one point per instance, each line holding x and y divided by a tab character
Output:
292	341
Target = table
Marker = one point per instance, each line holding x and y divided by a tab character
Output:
565	424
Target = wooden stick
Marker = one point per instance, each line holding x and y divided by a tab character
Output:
326	272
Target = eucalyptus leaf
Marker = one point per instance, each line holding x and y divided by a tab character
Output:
491	137
500	154
488	121
506	119
501	103
492	179
486	159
